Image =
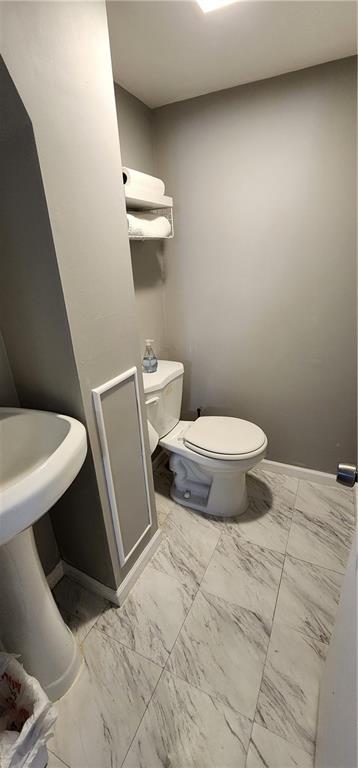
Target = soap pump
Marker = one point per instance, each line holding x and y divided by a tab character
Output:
150	360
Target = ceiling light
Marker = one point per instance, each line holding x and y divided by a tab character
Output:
213	5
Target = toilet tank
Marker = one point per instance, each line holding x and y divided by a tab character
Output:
163	394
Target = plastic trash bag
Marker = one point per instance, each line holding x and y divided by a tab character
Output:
26	717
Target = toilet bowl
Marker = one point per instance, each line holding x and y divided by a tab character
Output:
209	457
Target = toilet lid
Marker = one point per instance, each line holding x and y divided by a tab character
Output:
225	437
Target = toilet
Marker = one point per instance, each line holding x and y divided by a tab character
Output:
209	457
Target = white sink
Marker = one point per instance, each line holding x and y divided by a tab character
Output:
40	455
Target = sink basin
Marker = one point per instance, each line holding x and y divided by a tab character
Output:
40	455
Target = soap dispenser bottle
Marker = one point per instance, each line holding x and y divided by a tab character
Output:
150	360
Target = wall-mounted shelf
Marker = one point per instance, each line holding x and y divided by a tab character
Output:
147	203
168	212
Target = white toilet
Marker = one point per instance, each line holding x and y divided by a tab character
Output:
210	456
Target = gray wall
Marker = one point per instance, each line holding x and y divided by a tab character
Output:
8	394
58	56
33	314
135	124
44	535
260	288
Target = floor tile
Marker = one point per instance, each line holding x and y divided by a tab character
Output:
151	617
186	549
161	517
268	529
184	727
55	762
199	714
221	650
79	627
244	574
271	491
166	504
322	526
98	717
288	699
267	521
163	503
197	529
283	487
270	751
77	602
308	598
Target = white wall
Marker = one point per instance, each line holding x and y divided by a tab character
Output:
260	287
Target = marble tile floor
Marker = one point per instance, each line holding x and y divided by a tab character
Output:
215	658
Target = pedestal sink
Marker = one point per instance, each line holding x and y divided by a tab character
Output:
40	455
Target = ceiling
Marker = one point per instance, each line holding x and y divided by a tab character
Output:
166	51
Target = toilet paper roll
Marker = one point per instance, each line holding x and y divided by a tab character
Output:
137	182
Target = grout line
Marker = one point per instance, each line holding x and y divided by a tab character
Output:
212	696
141	719
194	598
243	540
296	630
290	743
118	642
315	565
210	528
264	666
164	669
182	625
172	576
127	647
216	697
272	625
87	633
288	554
79	618
51	752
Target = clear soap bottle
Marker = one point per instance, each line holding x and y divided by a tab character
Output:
150	360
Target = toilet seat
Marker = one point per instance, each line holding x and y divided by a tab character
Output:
225	437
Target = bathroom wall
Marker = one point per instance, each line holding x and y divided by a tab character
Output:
58	56
135	124
44	535
33	316
8	394
260	286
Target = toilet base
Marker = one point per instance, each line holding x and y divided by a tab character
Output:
219	493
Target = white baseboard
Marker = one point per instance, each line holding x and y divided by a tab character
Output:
114	596
302	473
55	575
138	567
89	583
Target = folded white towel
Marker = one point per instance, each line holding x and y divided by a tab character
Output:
148	225
136	182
